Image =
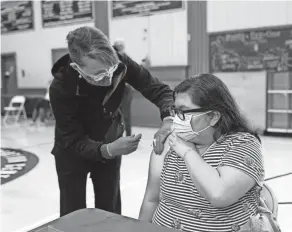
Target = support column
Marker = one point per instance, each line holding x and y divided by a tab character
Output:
101	17
198	45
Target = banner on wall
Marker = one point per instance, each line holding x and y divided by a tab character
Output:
135	8
56	13
254	50
16	16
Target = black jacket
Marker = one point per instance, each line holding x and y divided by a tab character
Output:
84	113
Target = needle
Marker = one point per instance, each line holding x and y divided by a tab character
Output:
145	142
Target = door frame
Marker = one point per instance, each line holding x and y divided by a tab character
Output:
14	54
5	97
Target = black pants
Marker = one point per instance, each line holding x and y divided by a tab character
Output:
40	110
72	176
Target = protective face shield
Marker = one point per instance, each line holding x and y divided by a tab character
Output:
104	78
183	128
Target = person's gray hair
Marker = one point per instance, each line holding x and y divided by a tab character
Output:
90	42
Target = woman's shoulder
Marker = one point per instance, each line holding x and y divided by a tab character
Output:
241	137
243	141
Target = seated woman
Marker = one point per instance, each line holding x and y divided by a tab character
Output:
210	176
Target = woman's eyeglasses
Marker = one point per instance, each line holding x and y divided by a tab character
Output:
181	113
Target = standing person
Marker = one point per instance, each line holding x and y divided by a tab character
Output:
125	106
41	108
85	95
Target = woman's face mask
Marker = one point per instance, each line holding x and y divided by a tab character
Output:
183	128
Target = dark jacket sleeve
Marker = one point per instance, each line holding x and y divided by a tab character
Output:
69	129
150	87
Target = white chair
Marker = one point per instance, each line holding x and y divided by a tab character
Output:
15	110
270	199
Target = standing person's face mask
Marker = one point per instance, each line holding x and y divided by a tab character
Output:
183	128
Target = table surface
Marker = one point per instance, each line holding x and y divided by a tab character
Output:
96	220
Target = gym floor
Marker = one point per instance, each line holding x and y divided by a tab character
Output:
29	198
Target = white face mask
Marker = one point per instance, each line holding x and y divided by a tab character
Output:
183	128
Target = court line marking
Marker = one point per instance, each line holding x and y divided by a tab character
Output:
90	202
277	141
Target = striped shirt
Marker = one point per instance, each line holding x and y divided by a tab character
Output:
182	207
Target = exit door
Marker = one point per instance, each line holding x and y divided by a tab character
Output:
8	78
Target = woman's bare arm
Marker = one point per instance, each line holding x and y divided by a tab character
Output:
151	196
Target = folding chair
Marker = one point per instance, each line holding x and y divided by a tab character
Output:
15	110
270	199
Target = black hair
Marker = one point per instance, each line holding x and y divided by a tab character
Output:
208	91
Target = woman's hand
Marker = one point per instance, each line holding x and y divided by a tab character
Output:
180	146
161	136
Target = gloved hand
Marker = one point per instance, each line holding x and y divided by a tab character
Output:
161	135
124	145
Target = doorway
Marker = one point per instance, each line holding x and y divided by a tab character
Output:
8	78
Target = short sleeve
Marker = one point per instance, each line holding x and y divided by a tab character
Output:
245	154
